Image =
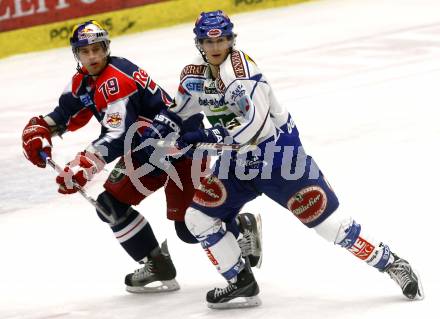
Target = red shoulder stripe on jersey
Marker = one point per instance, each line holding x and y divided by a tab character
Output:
76	83
182	90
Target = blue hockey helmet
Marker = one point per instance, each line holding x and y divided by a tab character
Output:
89	32
213	24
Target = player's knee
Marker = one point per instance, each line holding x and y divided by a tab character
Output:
338	229
200	224
118	210
184	234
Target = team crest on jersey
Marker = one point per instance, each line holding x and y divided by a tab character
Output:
114	119
211	192
238	65
244	104
308	204
192	69
238	92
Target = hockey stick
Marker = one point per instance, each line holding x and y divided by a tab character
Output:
98	206
212	146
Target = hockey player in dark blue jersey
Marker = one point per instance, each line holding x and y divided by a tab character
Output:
237	99
125	100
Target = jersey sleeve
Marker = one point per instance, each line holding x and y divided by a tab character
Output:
247	94
191	82
70	114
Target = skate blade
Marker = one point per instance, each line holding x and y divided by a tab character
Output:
164	286
420	292
260	231
239	302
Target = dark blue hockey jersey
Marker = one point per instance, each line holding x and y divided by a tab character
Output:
123	94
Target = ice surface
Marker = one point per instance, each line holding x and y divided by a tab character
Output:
361	79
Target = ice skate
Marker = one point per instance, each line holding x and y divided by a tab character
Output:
242	293
402	273
157	275
251	240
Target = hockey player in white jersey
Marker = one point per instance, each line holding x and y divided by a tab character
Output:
237	99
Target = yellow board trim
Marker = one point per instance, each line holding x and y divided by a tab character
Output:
137	19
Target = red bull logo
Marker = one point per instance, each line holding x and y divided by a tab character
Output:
114	119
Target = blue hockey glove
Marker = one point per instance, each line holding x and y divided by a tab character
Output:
164	123
193	123
214	134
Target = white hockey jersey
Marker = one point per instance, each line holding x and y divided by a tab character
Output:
239	99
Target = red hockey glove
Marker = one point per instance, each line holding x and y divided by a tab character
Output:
36	137
79	171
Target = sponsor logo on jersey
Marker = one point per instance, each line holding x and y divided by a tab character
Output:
196	86
85	99
213	104
114	119
308	204
210	193
237	65
211	89
193	69
214	33
361	248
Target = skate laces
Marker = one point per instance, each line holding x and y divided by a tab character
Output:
144	272
224	291
248	243
400	271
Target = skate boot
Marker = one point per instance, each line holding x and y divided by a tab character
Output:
239	294
157	274
251	238
402	273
